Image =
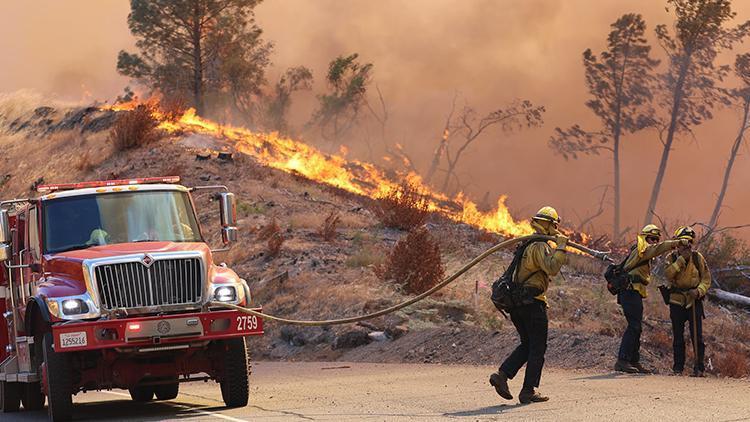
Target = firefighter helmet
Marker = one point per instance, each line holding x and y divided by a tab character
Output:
651	230
684	232
547	214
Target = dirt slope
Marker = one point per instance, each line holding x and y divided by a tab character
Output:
312	278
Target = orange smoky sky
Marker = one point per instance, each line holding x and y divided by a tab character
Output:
424	51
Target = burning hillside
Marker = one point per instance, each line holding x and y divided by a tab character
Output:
351	175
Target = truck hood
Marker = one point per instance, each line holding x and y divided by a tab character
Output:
106	251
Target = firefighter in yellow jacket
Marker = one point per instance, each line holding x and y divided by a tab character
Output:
638	267
539	263
689	280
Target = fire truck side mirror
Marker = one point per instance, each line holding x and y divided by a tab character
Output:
228	235
228	209
4	236
228	213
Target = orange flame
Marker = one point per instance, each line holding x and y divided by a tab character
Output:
351	175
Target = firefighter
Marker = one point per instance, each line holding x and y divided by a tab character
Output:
689	280
638	267
539	263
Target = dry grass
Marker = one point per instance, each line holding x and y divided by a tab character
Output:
306	220
328	229
135	128
404	207
367	256
85	163
415	262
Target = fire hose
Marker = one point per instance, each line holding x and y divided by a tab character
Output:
504	244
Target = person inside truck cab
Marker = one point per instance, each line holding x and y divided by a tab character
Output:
98	237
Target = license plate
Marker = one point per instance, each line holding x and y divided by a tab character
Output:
68	340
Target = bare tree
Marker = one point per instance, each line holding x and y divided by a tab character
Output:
742	95
517	115
690	84
442	144
620	82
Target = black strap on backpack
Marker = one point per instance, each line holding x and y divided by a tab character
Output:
617	276
506	291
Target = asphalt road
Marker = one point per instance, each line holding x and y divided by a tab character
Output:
383	392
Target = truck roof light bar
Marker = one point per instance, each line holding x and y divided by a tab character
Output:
106	183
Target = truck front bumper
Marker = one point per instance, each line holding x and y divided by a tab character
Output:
155	333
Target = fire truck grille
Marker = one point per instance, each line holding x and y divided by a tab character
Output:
164	282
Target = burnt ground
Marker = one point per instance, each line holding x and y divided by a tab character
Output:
312	278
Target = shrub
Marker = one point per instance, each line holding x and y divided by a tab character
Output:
403	207
135	128
172	108
269	230
328	230
415	262
274	244
732	363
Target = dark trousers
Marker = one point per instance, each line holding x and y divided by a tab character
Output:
531	323
632	306
679	315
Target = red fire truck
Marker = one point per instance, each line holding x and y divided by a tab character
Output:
111	284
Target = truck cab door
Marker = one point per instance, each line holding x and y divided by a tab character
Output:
32	255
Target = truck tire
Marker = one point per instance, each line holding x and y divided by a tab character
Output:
142	393
234	379
167	391
33	398
59	383
10	396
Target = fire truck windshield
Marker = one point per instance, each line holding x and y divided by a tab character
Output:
80	222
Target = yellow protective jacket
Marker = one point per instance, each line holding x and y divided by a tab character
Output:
683	276
539	264
643	273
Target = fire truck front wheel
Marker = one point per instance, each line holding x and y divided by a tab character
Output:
233	381
59	383
10	396
142	393
167	391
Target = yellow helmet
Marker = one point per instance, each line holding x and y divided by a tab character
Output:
547	214
684	232
651	230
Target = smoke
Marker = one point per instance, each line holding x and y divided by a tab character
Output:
425	51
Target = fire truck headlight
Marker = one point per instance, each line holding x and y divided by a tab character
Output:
225	294
74	307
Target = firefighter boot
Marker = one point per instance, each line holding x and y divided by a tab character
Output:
528	395
641	369
625	366
500	381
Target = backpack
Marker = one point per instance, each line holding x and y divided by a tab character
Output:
617	278
506	292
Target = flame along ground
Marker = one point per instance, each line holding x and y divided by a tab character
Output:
354	176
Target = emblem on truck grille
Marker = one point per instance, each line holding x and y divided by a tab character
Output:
147	260
163	327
